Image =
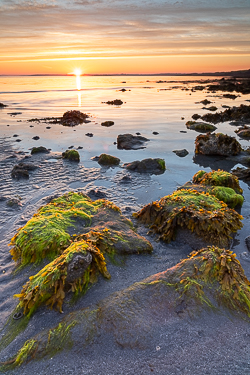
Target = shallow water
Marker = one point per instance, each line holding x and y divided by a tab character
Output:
146	108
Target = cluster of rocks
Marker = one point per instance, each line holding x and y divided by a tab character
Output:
241	113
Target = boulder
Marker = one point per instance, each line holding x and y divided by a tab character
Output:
201	127
181	153
72	155
109	160
73	118
217	144
130	142
154	166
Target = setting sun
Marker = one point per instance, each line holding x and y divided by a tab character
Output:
77	72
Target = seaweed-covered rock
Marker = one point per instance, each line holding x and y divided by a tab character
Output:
241	113
217	144
75	233
107	123
196	116
131	142
218	178
210	279
105	159
73	118
114	102
243	132
38	150
22	170
201	127
72	155
154	166
201	213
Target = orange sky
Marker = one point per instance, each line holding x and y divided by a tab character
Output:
119	36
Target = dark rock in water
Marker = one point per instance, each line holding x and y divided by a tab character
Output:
196	116
123	90
205	102
217	144
14	202
241	113
225	106
183	131
201	127
125	179
105	159
181	153
236	123
130	142
198	88
213	108
154	166
96	194
18	140
243	132
114	102
89	135
247	241
138	133
70	147
36	138
242	173
48	127
37	150
72	155
107	123
73	118
155	133
15	135
79	148
230	96
77	266
14	113
22	170
3	105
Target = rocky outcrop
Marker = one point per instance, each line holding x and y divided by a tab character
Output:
241	113
217	144
131	142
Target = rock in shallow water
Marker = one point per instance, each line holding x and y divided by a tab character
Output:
131	142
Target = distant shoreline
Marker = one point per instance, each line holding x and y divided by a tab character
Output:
236	74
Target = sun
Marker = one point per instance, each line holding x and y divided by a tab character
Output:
77	72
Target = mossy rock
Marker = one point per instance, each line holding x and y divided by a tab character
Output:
72	155
38	150
210	279
218	178
200	213
150	165
105	159
201	127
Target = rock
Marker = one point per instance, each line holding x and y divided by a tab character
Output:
247	241
114	102
242	173
96	194
38	150
243	132
89	135
201	127
154	166
230	96
72	155
36	138
217	144
181	153
107	123
130	142
123	90
213	108
77	236
105	159
3	105
183	131
125	179
15	135
199	88
22	170
196	116
18	140
199	213
73	118
241	113
155	133
205	102
14	202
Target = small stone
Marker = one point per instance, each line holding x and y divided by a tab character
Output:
36	138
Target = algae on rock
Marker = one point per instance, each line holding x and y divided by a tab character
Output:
199	212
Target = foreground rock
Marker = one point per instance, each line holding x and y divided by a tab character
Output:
140	317
217	144
39	150
241	113
77	234
201	127
72	155
197	212
154	166
22	170
131	142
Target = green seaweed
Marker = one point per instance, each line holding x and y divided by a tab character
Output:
218	178
227	195
199	212
72	155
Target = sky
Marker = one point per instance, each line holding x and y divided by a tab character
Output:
124	36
